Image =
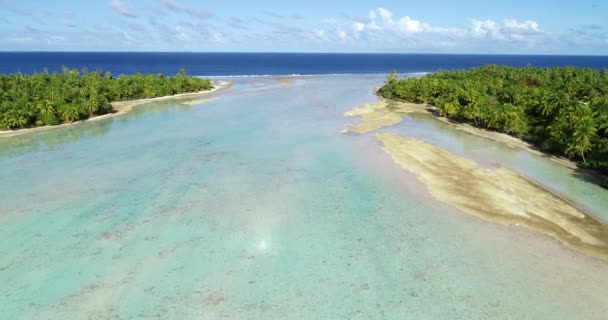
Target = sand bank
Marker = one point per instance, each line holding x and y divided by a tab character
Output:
375	116
122	107
500	195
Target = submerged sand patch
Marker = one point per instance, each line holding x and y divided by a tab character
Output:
195	102
377	116
500	195
289	80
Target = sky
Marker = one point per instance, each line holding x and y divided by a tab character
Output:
423	26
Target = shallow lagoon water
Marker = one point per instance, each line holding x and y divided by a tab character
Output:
255	206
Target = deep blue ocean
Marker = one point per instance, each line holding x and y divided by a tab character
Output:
233	64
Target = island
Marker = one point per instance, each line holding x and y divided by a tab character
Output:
561	110
50	99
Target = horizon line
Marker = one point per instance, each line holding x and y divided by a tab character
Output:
313	53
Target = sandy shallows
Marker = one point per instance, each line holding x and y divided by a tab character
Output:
500	195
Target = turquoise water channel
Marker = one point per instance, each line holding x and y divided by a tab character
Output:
256	206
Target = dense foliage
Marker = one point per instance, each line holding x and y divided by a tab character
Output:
562	110
50	99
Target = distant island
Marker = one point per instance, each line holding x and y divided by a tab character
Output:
560	110
43	99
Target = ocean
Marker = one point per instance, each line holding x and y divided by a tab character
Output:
241	64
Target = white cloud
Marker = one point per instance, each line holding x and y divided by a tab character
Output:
386	15
318	34
372	15
381	20
486	28
409	25
358	26
123	8
524	28
380	29
509	30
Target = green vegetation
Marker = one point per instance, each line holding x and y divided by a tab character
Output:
50	99
561	110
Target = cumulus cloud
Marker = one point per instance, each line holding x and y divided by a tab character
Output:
508	30
123	8
383	26
409	25
181	8
381	20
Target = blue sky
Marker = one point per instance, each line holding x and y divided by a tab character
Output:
470	26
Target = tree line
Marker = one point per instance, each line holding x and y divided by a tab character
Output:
561	110
49	99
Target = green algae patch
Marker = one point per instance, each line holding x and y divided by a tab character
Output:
501	195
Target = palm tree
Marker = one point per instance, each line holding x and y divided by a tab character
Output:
15	119
449	109
600	105
560	100
545	105
46	108
69	113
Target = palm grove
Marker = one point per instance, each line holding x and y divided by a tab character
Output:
561	110
50	99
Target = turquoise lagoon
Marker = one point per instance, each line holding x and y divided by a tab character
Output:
256	206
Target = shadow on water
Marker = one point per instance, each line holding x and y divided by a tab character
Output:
590	176
54	138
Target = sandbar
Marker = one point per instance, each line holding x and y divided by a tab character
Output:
375	116
501	195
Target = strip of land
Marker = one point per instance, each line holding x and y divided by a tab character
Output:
501	195
387	113
122	107
559	110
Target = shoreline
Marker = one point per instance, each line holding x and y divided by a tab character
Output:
120	108
503	138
